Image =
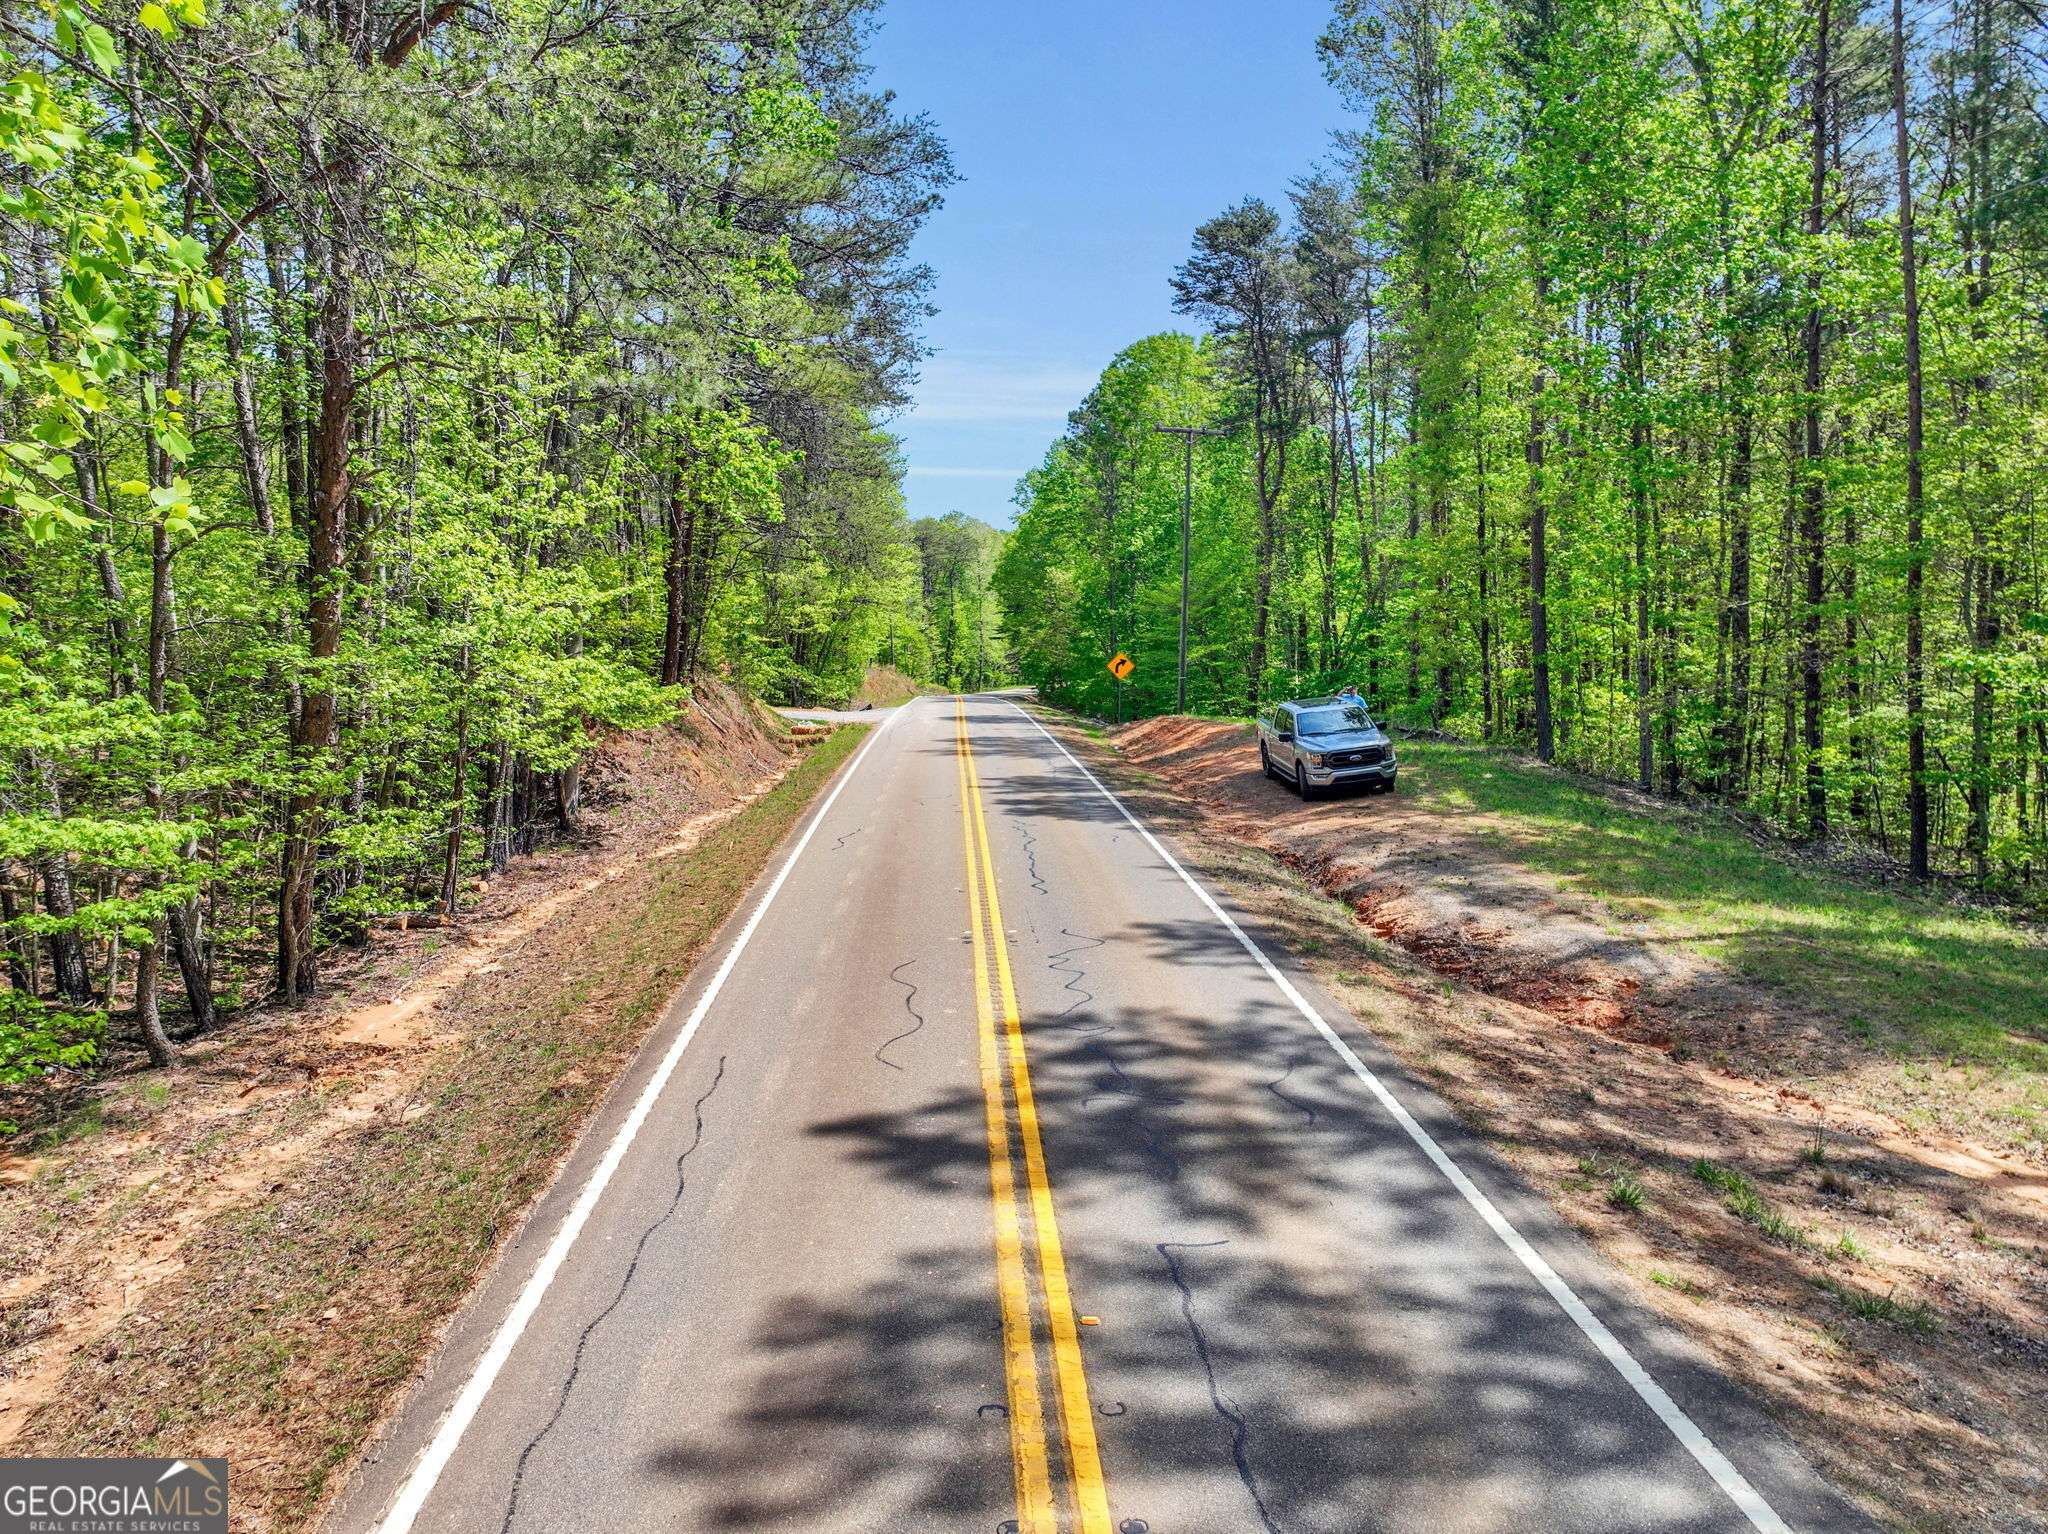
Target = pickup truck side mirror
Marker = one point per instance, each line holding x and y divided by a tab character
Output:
1285	733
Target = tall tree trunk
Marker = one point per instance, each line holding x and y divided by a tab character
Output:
1852	673
149	1020
1639	506
1916	559
21	975
195	962
86	462
569	780
291	378
85	475
1411	492
1645	711
1539	538
1985	632
317	735
1262	604
1732	728
69	972
1986	577
149	959
1667	660
498	820
1367	506
1328	547
1485	559
682	531
1271	477
248	433
1812	525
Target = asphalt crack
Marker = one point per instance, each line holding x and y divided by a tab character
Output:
1273	1086
1240	1430
625	1283
910	995
1119	1084
1031	858
1075	975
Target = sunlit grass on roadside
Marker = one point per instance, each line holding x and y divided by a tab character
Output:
1901	971
1742	1200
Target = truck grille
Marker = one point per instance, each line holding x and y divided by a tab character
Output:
1365	758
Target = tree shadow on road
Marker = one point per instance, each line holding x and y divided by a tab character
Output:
1296	1335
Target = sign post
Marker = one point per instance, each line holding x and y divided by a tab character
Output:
1120	667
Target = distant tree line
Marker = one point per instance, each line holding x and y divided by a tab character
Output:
1656	388
967	650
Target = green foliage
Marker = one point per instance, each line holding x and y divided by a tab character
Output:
35	1038
112	260
1094	564
1564	279
365	452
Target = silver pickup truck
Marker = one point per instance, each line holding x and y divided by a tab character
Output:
1318	743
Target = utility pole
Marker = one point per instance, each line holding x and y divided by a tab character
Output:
1187	435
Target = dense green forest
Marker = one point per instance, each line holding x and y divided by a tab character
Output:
394	396
1657	388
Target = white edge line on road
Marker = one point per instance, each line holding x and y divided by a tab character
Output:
1746	1497
420	1484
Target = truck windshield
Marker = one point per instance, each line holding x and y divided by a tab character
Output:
1334	721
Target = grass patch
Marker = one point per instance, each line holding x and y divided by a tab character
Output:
298	1316
1624	1189
1915	1316
1588	1173
1625	1193
89	1119
1676	1285
1901	971
1741	1199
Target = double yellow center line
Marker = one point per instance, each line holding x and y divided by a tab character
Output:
1012	1115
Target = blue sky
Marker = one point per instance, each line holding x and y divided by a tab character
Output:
1090	139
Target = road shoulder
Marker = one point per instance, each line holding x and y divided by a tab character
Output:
332	1237
1413	1028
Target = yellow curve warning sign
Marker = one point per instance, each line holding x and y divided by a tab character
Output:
1121	666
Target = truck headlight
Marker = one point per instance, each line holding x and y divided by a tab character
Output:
1315	758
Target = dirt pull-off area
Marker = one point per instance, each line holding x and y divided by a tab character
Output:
1847	1225
250	1254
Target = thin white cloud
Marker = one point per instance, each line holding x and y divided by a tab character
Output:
989	387
935	471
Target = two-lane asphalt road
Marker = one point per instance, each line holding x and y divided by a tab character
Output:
990	1176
